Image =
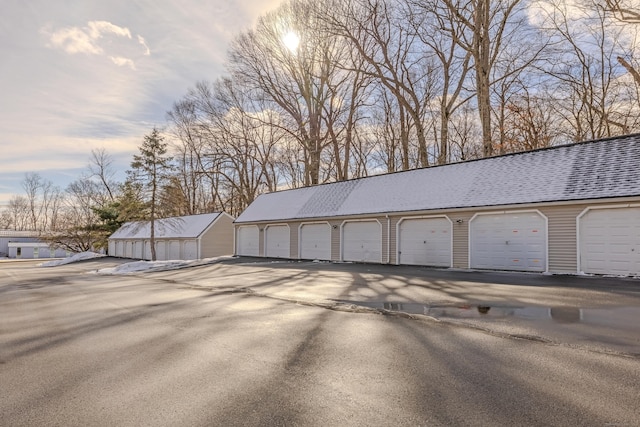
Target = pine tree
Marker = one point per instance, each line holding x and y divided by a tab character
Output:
151	168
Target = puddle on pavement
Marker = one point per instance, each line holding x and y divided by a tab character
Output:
603	316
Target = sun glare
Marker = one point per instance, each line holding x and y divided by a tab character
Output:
291	41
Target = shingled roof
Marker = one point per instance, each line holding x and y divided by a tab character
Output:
582	171
180	227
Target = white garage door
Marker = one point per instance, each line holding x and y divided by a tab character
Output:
137	249
174	249
147	250
425	241
277	241
161	250
248	238
610	241
362	241
112	247
190	249
315	241
119	248
128	249
509	241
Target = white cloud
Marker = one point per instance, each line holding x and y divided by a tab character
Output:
94	40
98	28
74	40
122	62
142	41
69	88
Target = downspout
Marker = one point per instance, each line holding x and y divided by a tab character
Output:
388	239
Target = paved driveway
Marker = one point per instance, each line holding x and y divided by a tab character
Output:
595	312
238	343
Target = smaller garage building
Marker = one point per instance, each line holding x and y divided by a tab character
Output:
34	250
27	245
180	238
568	209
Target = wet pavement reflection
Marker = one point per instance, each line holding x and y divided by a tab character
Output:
614	317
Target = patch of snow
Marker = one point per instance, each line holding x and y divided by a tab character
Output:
75	258
142	266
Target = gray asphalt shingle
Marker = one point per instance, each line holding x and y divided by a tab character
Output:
587	170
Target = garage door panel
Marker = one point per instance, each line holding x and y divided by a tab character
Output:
425	241
362	241
190	249
315	241
610	241
128	249
248	238
174	249
161	250
277	241
137	249
508	241
147	250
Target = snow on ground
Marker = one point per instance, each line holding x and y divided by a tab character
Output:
75	258
142	266
134	266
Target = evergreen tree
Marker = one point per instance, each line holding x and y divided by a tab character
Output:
151	168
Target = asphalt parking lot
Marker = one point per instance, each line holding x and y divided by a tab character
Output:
265	342
599	313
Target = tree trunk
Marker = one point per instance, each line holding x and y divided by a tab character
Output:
152	235
482	57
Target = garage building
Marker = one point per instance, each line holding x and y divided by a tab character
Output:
178	238
27	245
567	209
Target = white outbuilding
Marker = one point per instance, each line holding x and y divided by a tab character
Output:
18	244
181	238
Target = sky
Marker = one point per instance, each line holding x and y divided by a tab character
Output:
77	75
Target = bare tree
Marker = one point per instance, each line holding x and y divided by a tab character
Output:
440	31
19	210
101	168
379	34
32	184
232	140
6	222
590	92
302	81
487	23
530	122
623	11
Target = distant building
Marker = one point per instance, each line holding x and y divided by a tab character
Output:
34	250
181	238
26	245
